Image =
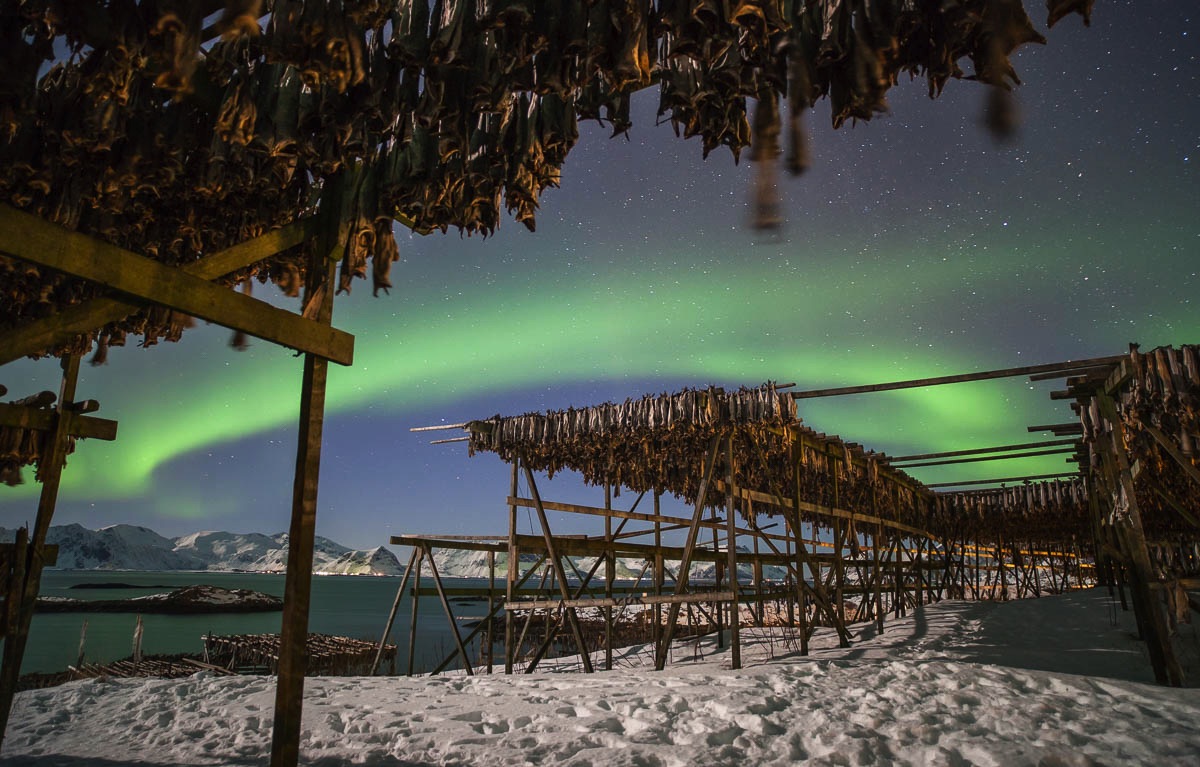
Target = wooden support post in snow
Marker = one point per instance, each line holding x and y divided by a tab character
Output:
30	565
289	692
558	572
735	618
391	619
416	600
513	570
681	576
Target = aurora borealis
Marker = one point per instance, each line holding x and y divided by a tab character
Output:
914	247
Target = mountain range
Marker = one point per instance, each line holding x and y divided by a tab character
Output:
129	547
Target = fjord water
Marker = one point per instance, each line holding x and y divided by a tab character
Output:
353	606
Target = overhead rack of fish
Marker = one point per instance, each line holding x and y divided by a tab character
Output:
175	129
1158	406
662	443
1055	510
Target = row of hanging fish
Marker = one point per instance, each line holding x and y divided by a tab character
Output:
1162	393
703	408
1056	510
135	122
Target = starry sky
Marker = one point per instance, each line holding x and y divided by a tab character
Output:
915	246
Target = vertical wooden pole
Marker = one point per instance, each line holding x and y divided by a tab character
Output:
289	692
54	451
685	564
1167	669
797	533
513	568
659	575
718	572
387	629
491	621
735	638
610	567
839	544
441	592
416	601
556	563
876	543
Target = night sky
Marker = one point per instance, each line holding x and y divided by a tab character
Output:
914	247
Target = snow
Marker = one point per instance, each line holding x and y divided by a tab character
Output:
1055	681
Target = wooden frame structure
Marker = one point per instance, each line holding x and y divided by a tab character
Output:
173	90
134	282
893	543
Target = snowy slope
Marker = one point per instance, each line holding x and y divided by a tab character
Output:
378	561
952	684
473	564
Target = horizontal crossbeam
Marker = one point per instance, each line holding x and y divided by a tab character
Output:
37	241
88	427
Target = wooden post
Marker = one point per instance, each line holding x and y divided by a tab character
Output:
416	600
875	544
735	639
556	563
54	453
289	692
659	575
513	570
797	533
718	573
490	637
610	564
839	543
681	576
437	583
1167	669
387	629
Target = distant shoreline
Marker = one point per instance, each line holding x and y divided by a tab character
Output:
189	600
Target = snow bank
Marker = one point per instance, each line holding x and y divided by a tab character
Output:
913	695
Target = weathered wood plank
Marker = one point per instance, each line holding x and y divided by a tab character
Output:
61	327
35	240
985	375
87	427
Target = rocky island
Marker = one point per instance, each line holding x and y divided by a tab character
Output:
189	600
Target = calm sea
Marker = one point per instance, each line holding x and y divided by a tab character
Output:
353	606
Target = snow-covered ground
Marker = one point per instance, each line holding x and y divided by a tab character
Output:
1055	681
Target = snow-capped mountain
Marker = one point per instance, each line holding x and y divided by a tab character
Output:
474	564
377	561
128	547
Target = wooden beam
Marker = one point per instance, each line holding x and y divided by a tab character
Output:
59	328
561	576
816	509
37	241
685	562
1072	371
979	458
23	593
985	375
1171	450
1006	479
86	427
595	511
293	637
1058	429
983	450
